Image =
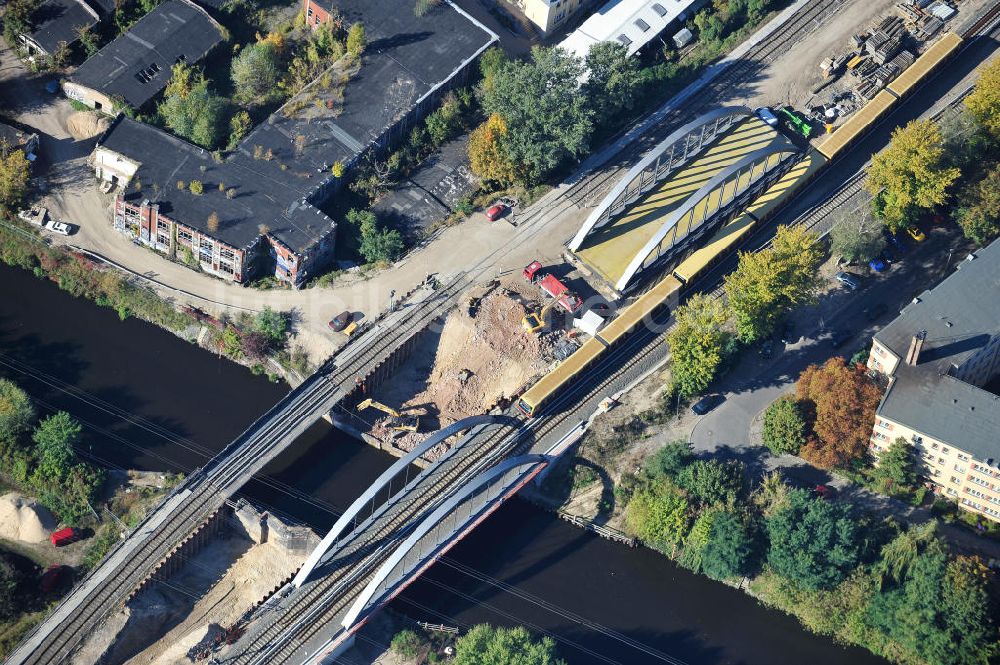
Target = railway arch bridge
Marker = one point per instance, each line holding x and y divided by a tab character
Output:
694	180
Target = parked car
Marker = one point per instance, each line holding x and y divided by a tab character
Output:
51	578
826	492
878	265
496	211
894	240
62	228
64	536
341	321
916	233
706	404
850	280
787	333
838	338
876	311
765	114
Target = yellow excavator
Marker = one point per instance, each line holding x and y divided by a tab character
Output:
400	422
534	322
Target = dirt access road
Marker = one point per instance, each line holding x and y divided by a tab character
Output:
68	189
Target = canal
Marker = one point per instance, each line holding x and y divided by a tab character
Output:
151	401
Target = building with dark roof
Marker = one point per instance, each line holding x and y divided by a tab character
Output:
136	66
277	181
56	23
13	137
940	355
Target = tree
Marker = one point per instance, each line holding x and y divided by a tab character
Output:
54	439
487	157
356	40
940	611
712	481
15	172
548	120
10	583
197	187
766	284
191	110
273	325
490	62
239	126
710	26
232	342
843	401
376	244
255	73
984	101
896	468
696	343
612	82
784	429
421	7
16	411
406	644
486	645
730	549
910	174
212	223
88	40
255	345
979	208
658	515
857	237
670	460
17	19
813	543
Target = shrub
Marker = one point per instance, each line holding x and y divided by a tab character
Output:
784	427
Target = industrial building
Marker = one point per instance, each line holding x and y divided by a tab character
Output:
633	23
264	203
942	359
55	24
136	66
18	139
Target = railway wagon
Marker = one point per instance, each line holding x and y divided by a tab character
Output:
669	289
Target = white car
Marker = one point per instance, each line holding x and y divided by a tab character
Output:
62	228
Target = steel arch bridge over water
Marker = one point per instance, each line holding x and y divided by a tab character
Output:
698	177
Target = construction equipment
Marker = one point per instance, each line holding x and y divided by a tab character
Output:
534	322
400	422
797	122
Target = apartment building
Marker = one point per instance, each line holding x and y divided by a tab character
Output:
942	358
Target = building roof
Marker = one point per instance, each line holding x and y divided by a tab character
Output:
633	23
960	315
57	21
14	137
407	58
265	193
136	65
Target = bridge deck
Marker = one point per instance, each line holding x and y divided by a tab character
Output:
610	248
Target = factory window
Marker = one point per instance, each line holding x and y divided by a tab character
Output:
642	25
659	9
624	40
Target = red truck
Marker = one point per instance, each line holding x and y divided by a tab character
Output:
64	536
553	286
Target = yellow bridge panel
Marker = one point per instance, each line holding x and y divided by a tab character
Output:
610	248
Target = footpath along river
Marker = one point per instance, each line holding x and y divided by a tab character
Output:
604	602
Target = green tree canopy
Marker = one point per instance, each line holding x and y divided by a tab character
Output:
548	121
669	460
612	82
984	101
731	548
16	411
897	468
979	208
940	611
857	236
486	645
784	429
766	284
696	343
54	439
356	40
256	72
376	243
15	173
713	481
274	325
191	110
910	175
814	543
658	515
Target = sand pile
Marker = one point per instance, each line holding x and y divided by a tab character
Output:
86	124
25	519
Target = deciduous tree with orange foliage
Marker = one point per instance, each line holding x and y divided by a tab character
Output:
842	401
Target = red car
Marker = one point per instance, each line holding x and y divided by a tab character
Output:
64	536
496	212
